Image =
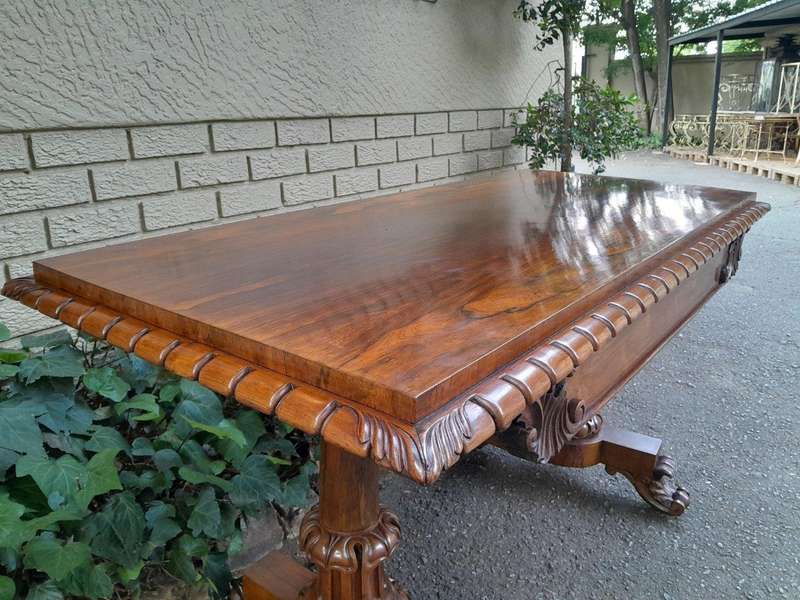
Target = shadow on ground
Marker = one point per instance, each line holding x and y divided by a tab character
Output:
722	394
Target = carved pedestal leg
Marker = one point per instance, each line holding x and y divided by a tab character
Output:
347	536
631	454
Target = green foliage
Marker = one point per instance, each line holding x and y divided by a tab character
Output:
553	18
603	125
604	27
113	471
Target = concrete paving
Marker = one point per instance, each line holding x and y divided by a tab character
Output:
723	395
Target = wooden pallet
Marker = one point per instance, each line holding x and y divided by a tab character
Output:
785	172
688	154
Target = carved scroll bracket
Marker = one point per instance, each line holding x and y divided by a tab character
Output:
731	265
546	425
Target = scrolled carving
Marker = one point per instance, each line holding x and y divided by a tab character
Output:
549	423
732	261
659	490
15	289
349	552
590	428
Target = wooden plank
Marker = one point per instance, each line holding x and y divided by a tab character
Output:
277	576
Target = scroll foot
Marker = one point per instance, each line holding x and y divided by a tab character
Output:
659	489
633	455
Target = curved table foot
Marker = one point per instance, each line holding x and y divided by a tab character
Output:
631	454
659	489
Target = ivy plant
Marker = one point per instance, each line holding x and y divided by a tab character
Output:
114	472
603	125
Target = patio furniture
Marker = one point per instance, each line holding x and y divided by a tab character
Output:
411	329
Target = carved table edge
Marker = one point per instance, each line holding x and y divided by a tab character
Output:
420	451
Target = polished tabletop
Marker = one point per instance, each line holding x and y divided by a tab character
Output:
403	301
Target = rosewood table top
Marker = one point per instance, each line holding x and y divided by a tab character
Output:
398	306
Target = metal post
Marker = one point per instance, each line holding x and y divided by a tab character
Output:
712	120
667	101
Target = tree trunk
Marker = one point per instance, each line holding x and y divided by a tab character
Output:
566	145
662	15
640	85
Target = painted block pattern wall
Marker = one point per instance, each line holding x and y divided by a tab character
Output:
67	190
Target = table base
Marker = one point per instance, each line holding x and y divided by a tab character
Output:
348	536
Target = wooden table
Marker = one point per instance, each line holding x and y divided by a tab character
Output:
410	329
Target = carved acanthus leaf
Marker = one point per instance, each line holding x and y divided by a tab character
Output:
349	552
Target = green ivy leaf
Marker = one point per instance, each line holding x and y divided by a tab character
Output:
169	392
139	373
48	555
142	447
105	382
121	534
19	432
9	355
193	546
89	582
5	334
164	530
198	404
14	531
224	430
206	517
295	491
217	572
45	591
158	510
180	565
7	587
104	438
252	425
59	337
144	402
8	371
65	475
193	453
167	459
8	459
257	483
127	575
103	477
63	361
197	478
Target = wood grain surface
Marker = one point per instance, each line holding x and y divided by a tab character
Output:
402	302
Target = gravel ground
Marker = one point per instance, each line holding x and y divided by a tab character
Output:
722	395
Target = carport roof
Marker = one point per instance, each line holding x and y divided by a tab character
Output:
753	23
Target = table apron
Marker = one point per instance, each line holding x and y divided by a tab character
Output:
601	376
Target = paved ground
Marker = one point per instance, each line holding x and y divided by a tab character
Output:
723	394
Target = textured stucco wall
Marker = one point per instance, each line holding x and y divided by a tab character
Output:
75	63
127	119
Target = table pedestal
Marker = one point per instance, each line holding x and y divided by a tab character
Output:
348	536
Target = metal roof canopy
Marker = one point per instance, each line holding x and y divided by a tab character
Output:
753	23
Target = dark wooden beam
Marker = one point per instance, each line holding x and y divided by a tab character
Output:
734	36
667	101
712	119
767	23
